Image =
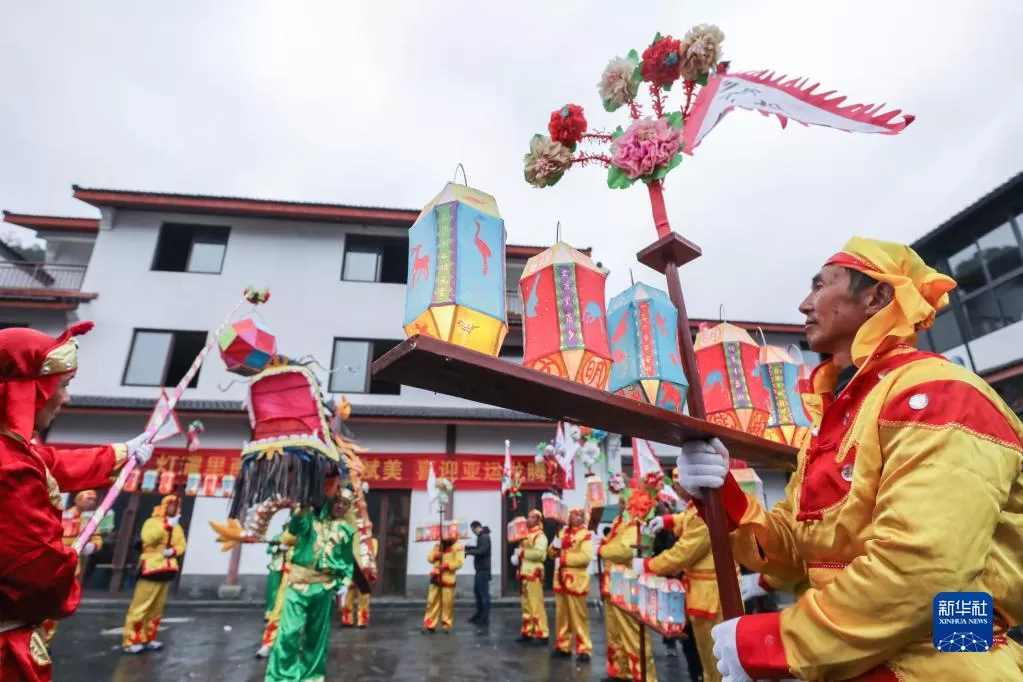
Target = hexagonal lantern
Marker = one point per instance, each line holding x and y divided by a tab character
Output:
246	346
647	367
781	373
733	392
564	322
456	263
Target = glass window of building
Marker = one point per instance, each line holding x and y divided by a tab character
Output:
967	269
945	333
1001	251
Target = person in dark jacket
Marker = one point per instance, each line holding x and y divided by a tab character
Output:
480	554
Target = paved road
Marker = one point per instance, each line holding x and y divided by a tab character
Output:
198	647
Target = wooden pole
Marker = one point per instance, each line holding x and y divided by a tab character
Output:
668	254
440	569
642	627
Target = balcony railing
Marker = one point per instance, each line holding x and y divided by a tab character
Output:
513	301
41	276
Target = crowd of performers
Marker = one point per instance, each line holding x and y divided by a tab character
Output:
909	485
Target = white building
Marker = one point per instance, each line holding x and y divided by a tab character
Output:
158	272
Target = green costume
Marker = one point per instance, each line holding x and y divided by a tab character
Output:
273	578
321	562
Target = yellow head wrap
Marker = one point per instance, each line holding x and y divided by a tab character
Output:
85	495
920	292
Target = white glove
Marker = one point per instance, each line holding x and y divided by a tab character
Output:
168	553
727	652
702	464
515	560
139	449
88	549
556	544
173	521
341	594
749	586
654	526
557	564
637	565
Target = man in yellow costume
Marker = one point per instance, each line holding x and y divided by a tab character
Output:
572	551
447	556
910	485
355	610
691	556
163	542
529	559
85	501
619	548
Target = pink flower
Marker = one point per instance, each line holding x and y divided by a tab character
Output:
646	146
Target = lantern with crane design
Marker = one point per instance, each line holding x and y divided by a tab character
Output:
456	285
564	321
733	392
781	373
643	326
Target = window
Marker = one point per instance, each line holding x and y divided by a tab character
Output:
162	358
1001	251
351	367
12	325
945	334
968	270
372	258
996	307
511	353
191	248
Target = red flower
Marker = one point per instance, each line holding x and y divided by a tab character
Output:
640	504
567	125
662	64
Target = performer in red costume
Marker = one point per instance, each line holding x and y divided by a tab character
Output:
37	571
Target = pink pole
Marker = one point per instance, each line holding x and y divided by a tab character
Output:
132	463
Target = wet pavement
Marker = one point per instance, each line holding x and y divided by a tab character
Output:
218	644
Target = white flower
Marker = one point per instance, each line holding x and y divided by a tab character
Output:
617	86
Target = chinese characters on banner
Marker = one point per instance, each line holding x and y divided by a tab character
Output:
212	472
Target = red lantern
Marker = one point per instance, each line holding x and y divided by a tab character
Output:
247	346
733	393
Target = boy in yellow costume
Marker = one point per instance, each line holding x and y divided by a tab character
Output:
447	556
356	598
163	542
691	556
910	485
619	548
572	551
529	559
85	501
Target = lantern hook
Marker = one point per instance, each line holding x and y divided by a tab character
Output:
557	233
224	389
798	354
762	337
721	313
465	181
631	278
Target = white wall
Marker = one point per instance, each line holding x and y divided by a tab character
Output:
994	349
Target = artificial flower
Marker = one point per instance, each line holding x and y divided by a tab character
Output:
646	147
567	125
618	84
546	161
653	480
662	61
640	504
701	51
616	483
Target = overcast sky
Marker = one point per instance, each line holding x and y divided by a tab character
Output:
376	103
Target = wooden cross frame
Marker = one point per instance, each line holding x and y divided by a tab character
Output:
433	365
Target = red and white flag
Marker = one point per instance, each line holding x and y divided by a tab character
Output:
171	426
506	472
645	459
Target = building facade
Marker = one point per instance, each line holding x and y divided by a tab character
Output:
981	247
157	273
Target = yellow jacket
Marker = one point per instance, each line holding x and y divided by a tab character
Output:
73	525
913	486
157	537
617	548
573	575
532	552
691	554
445	563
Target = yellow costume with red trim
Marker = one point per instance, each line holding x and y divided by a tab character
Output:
691	556
571	589
357	599
622	629
72	524
446	562
911	484
532	553
156	572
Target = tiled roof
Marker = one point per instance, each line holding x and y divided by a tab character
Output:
471	413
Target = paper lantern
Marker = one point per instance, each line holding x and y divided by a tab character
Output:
643	326
596	496
781	373
246	346
671	606
733	393
517	529
456	285
564	321
553	508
